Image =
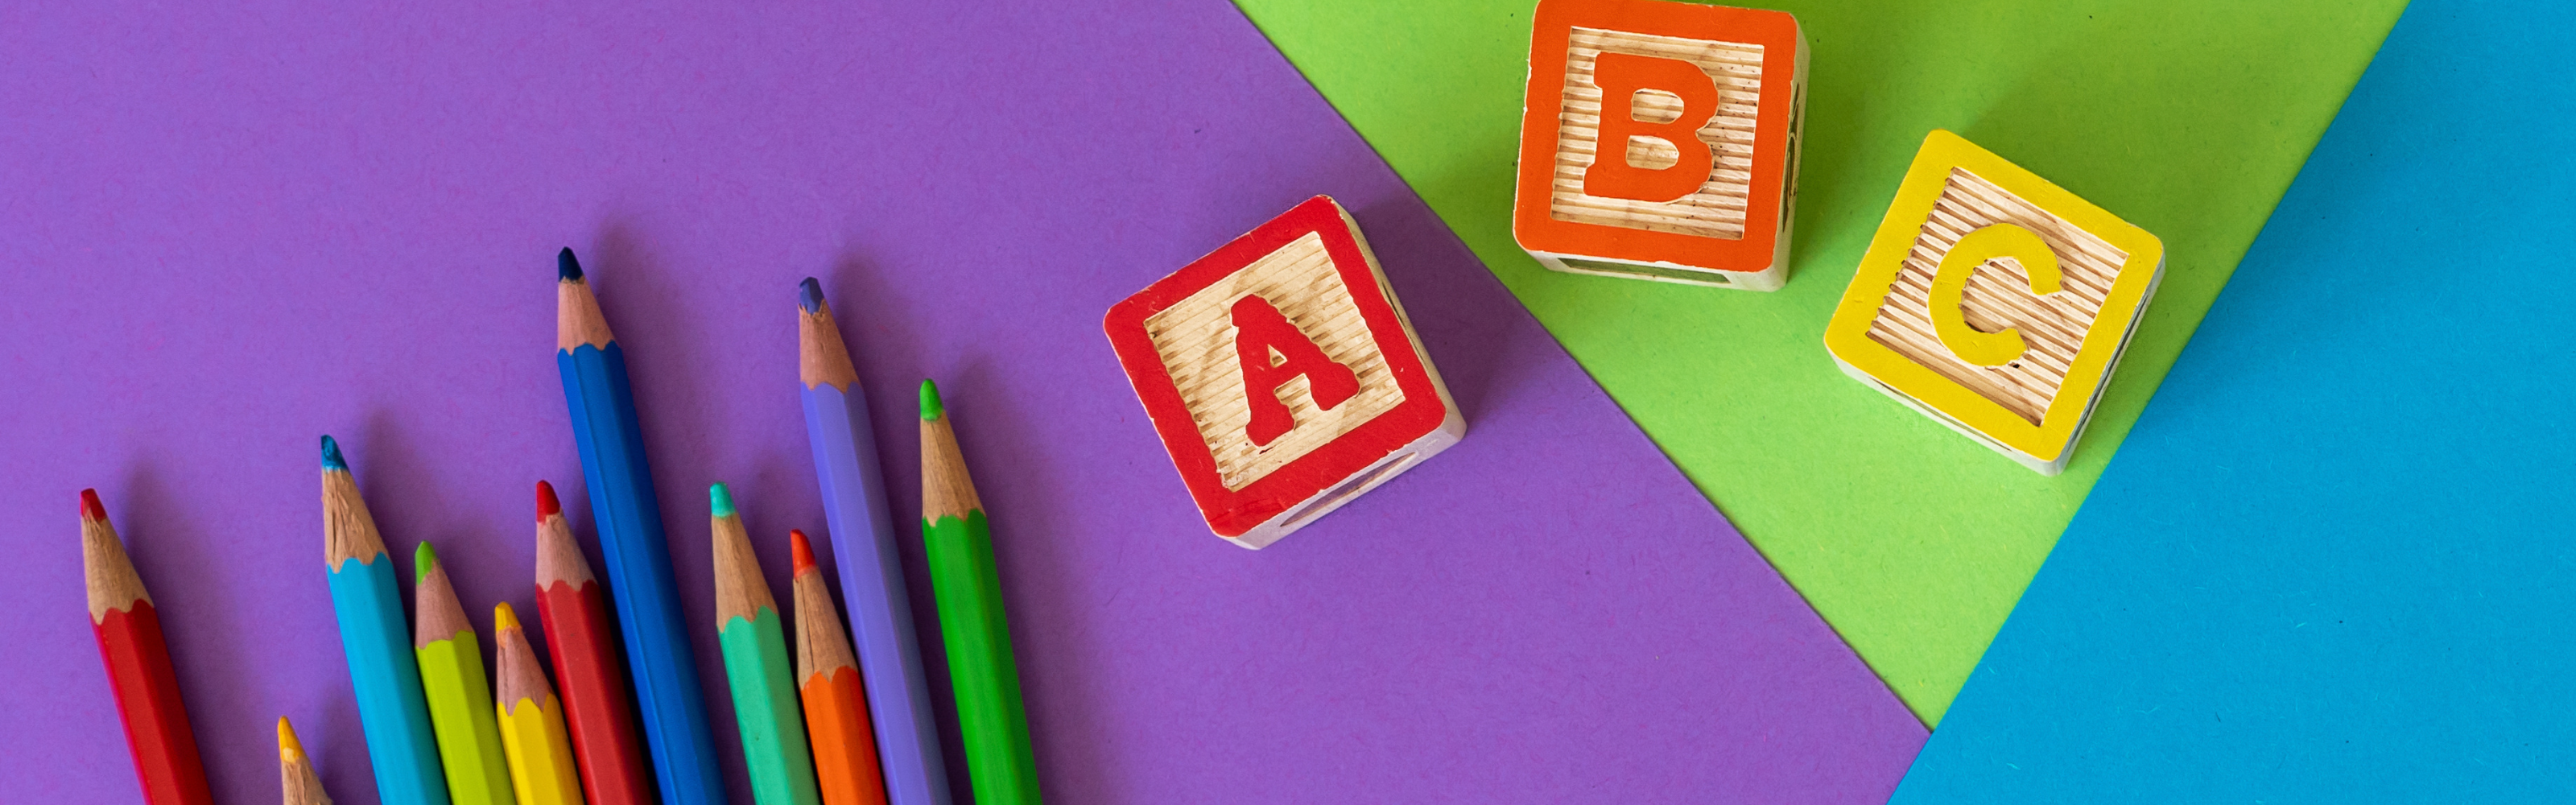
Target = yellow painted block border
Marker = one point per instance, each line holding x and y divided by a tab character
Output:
1847	336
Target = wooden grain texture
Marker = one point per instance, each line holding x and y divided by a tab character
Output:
1998	296
559	558
1717	208
437	615
821	357
295	770
112	582
577	317
1196	340
946	490
348	530
740	590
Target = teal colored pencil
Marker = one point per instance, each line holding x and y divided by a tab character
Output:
982	671
640	583
382	668
765	697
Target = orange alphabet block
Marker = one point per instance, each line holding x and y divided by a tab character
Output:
1659	140
1282	376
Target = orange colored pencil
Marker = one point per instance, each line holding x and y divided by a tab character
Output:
836	706
138	667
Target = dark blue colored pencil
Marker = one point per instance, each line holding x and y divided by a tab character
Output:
640	583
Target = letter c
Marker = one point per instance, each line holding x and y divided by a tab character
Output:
1950	288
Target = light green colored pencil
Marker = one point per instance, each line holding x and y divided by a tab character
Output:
460	694
758	667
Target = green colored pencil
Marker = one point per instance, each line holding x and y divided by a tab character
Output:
959	545
758	668
460	694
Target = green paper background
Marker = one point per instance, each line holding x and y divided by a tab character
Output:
2186	117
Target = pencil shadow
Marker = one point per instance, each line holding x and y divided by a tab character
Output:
198	619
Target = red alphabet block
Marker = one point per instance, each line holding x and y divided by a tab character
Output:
1282	375
1659	140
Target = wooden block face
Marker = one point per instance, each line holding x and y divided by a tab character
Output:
1197	342
1995	300
1660	135
1281	375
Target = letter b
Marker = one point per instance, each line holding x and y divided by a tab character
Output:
1621	76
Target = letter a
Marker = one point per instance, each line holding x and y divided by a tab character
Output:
1621	76
1261	332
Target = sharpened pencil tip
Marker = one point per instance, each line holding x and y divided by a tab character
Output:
567	268
423	560
331	459
720	500
800	553
287	746
503	617
809	295
931	409
547	505
91	509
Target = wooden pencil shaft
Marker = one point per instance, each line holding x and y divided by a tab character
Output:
614	767
873	587
139	672
836	717
460	697
992	722
384	672
774	744
530	719
641	584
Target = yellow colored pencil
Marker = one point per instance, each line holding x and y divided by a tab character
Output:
295	771
532	724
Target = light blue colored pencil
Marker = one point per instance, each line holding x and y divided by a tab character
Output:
382	669
854	504
640	584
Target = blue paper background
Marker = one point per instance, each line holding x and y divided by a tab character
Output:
2332	563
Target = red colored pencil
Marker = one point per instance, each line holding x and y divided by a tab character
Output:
138	667
579	636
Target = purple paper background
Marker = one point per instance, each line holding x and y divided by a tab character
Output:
224	231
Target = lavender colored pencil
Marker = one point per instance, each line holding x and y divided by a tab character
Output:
854	504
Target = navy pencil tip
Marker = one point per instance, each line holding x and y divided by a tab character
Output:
331	459
809	295
567	269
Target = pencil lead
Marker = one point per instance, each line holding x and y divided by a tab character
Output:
423	560
91	509
567	268
504	618
800	553
287	746
547	505
931	409
809	295
331	459
720	500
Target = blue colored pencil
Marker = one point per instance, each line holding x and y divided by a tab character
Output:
854	504
640	583
378	640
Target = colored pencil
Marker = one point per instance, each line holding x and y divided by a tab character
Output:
139	672
531	719
854	504
640	583
295	771
992	723
460	694
614	770
140	675
755	658
382	669
836	712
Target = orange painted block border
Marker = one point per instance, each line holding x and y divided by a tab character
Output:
1772	194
